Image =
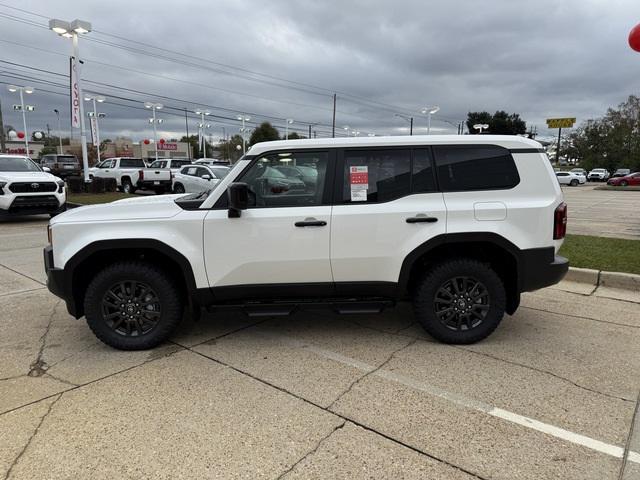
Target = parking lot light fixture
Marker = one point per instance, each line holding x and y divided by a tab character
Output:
73	30
243	118
154	107
202	113
288	121
96	115
23	108
428	111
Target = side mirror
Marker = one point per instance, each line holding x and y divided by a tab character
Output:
46	169
206	176
238	195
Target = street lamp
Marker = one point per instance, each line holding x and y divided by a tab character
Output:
480	127
23	108
288	121
73	30
55	110
243	118
154	121
201	132
346	130
428	111
202	114
94	120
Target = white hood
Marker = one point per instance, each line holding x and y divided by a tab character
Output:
27	177
139	208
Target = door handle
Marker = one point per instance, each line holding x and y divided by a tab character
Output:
311	222
422	219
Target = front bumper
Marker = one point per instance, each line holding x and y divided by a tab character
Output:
50	203
540	268
57	281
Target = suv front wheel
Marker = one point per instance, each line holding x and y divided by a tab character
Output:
460	301
132	305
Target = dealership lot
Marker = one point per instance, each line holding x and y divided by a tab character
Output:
604	213
550	395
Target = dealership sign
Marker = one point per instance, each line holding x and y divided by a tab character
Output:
561	122
75	93
167	146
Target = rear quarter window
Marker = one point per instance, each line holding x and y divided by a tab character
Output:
475	167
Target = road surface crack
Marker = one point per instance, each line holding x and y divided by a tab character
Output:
35	432
314	450
39	366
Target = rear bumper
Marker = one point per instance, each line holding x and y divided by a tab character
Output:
151	184
57	281
541	267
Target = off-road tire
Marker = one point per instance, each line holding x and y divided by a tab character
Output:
127	186
169	302
425	304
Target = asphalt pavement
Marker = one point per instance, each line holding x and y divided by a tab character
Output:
551	394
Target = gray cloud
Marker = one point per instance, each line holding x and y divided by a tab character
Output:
539	59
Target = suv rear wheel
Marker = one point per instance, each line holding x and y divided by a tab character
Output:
132	305
460	301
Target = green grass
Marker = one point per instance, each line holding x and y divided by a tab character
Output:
628	188
93	198
602	253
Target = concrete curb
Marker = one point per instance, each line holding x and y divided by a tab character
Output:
601	278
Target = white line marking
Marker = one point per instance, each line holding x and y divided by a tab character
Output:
465	402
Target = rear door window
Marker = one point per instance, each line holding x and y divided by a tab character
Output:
131	163
475	167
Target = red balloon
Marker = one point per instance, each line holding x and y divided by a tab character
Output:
20	134
634	38
161	141
146	141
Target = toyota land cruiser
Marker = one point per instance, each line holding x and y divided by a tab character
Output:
459	225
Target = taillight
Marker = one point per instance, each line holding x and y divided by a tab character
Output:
560	221
141	175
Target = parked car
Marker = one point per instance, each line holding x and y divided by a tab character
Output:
308	175
631	179
621	172
195	178
570	178
62	165
580	171
28	189
211	161
377	228
159	175
598	175
125	170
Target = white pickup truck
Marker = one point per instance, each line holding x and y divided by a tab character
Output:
126	171
159	175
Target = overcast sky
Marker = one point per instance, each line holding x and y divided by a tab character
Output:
540	59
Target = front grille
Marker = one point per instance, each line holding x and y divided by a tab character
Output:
33	187
34	203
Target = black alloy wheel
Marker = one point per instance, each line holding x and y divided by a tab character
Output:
462	303
131	308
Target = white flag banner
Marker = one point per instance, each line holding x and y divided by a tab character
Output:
94	130
75	93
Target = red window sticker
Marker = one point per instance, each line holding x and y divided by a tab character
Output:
359	175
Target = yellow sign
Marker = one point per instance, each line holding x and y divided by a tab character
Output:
560	122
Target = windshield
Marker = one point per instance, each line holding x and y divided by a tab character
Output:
220	172
18	164
66	159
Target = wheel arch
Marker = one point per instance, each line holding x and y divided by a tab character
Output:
492	248
80	268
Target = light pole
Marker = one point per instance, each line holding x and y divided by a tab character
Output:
155	121
289	121
346	130
243	118
73	30
23	107
55	110
202	114
408	119
203	148
94	118
428	111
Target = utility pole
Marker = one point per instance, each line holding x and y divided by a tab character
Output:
309	130
333	128
186	124
2	144
411	127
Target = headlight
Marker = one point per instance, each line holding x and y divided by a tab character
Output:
60	186
2	185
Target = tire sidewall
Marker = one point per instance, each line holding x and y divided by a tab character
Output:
160	283
424	300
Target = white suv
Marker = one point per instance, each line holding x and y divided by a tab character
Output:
460	225
27	189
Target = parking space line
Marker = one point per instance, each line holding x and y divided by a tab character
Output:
460	400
